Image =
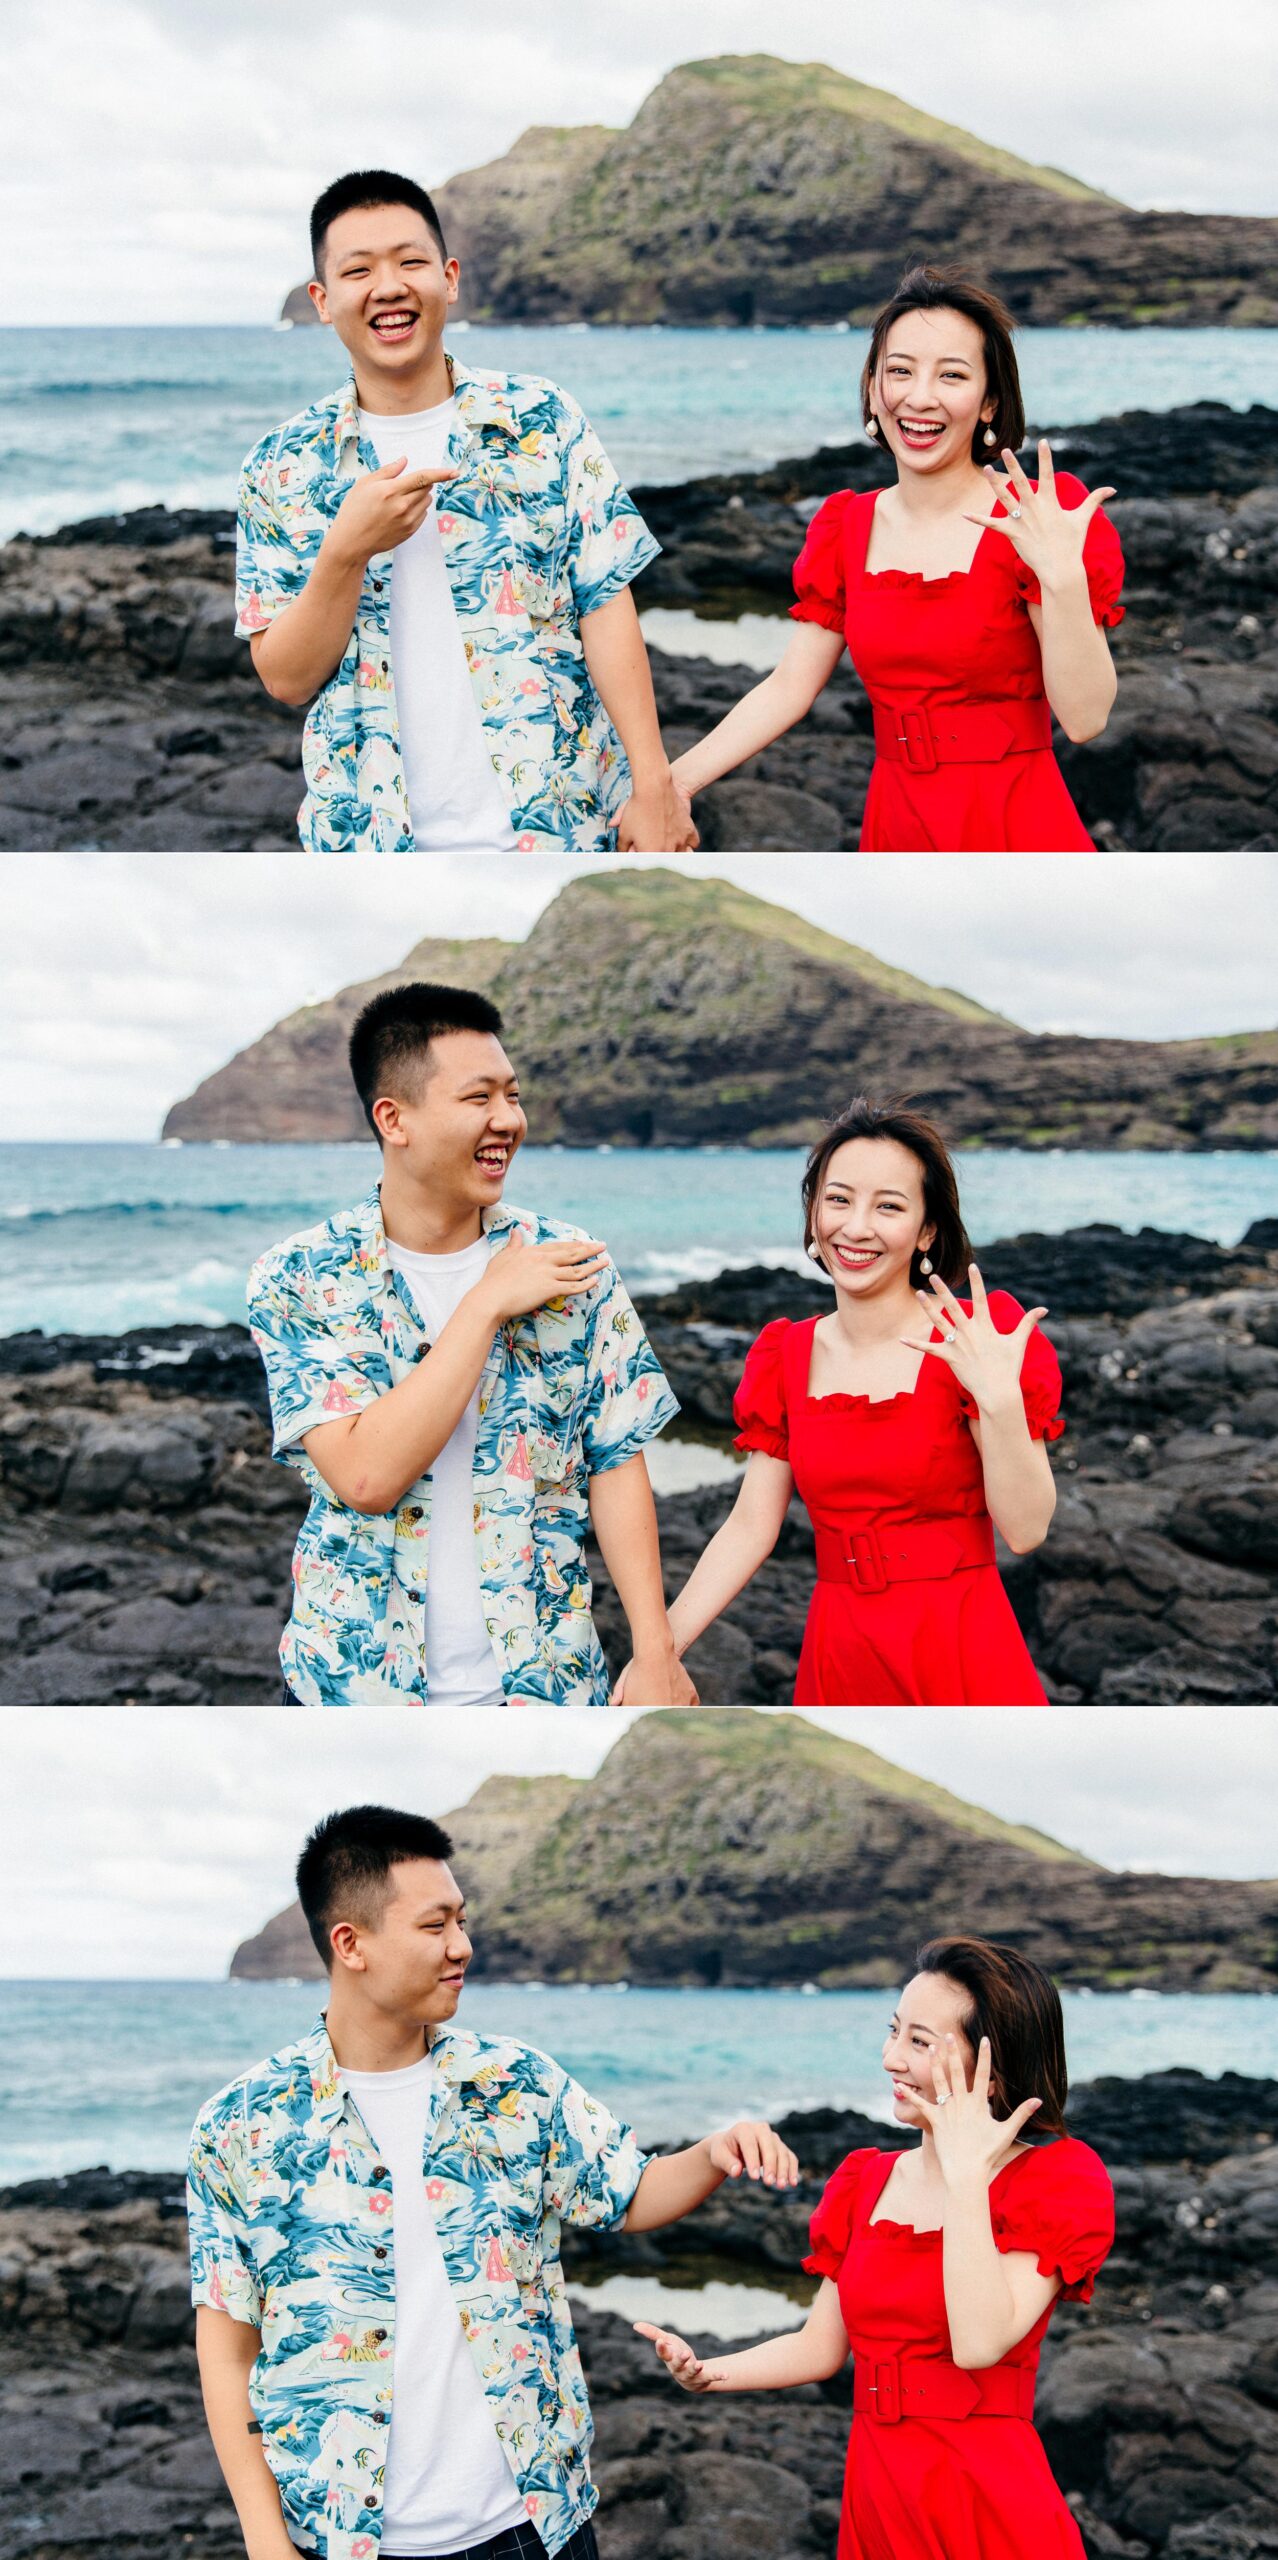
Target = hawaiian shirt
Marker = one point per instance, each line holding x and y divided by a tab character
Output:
566	1393
292	2221
537	532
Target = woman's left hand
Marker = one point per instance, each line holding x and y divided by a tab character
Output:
985	1361
971	2144
1048	536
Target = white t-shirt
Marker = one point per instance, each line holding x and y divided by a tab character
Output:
455	800
461	1666
448	2483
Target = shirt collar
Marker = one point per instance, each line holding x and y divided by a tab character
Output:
483	400
369	1233
455	2051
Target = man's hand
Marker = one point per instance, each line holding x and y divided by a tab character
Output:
754	2151
657	818
523	1276
382	508
655	1677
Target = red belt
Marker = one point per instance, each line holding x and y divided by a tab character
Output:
919	1551
932	2387
961	733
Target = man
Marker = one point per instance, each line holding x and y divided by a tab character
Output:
385	2345
471	661
462	1387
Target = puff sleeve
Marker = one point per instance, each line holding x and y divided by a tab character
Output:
758	1406
1040	1371
1102	558
1057	2205
830	2229
818	572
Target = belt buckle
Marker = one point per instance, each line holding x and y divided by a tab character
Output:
915	735
886	2388
867	1573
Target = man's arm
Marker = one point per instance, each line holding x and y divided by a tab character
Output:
227	2350
675	2185
300	648
625	1523
656	818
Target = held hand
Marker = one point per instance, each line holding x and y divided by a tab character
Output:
524	1276
755	2151
971	2144
658	819
677	2357
381	508
1048	536
655	1677
985	1361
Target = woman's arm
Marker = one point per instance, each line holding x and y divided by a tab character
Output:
768	710
227	2350
737	1550
1020	1489
809	2354
992	2300
1079	676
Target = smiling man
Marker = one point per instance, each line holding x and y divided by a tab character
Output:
385	2344
477	677
463	1388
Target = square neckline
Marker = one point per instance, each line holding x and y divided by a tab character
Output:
849	1395
876	2221
912	577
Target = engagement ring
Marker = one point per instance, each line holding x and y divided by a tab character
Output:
1016	511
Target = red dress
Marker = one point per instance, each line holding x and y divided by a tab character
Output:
953	670
909	1610
933	2487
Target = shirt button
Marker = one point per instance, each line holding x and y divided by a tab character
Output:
379	2175
379	2253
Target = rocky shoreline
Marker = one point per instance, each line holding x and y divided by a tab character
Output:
146	1533
1158	2404
133	718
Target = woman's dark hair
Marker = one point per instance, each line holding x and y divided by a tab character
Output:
950	289
949	1250
1016	2005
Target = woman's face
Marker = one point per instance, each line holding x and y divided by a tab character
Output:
930	2008
869	1218
930	393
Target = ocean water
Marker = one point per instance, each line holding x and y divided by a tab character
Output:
95	1239
113	2072
96	421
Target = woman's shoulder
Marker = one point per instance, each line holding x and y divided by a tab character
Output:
1061	2169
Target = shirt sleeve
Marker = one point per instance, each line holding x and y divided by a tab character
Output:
831	2226
818	572
758	1406
628	1399
608	541
1058	2206
1041	1385
1102	558
316	1370
223	2275
593	2163
269	571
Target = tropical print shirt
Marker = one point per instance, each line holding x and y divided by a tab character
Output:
566	1393
537	531
292	2220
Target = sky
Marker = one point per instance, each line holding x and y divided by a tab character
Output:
158	156
127	977
180	1834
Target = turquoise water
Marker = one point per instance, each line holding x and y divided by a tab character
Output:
113	2072
94	1239
94	421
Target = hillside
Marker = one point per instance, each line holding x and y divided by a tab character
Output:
721	1847
649	1008
751	190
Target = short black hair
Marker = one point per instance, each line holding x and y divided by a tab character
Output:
393	1033
344	1869
370	187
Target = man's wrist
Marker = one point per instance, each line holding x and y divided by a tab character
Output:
341	554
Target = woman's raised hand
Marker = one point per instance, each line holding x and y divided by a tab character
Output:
985	1361
1048	536
681	2364
971	2144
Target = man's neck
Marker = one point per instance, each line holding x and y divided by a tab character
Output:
424	1220
400	395
368	2040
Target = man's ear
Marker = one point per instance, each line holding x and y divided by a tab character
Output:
320	300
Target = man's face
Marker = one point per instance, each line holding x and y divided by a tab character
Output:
384	286
412	1963
460	1133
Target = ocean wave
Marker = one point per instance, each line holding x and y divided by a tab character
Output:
21	1213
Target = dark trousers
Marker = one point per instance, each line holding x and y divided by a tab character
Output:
523	2542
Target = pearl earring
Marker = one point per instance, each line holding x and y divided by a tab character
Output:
871	426
990	436
814	1253
925	1264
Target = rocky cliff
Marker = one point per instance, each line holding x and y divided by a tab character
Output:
725	1847
650	1008
750	190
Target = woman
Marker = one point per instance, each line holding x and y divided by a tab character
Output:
906	1440
974	602
940	2270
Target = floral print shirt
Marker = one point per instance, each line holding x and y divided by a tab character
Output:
537	532
566	1393
292	2221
